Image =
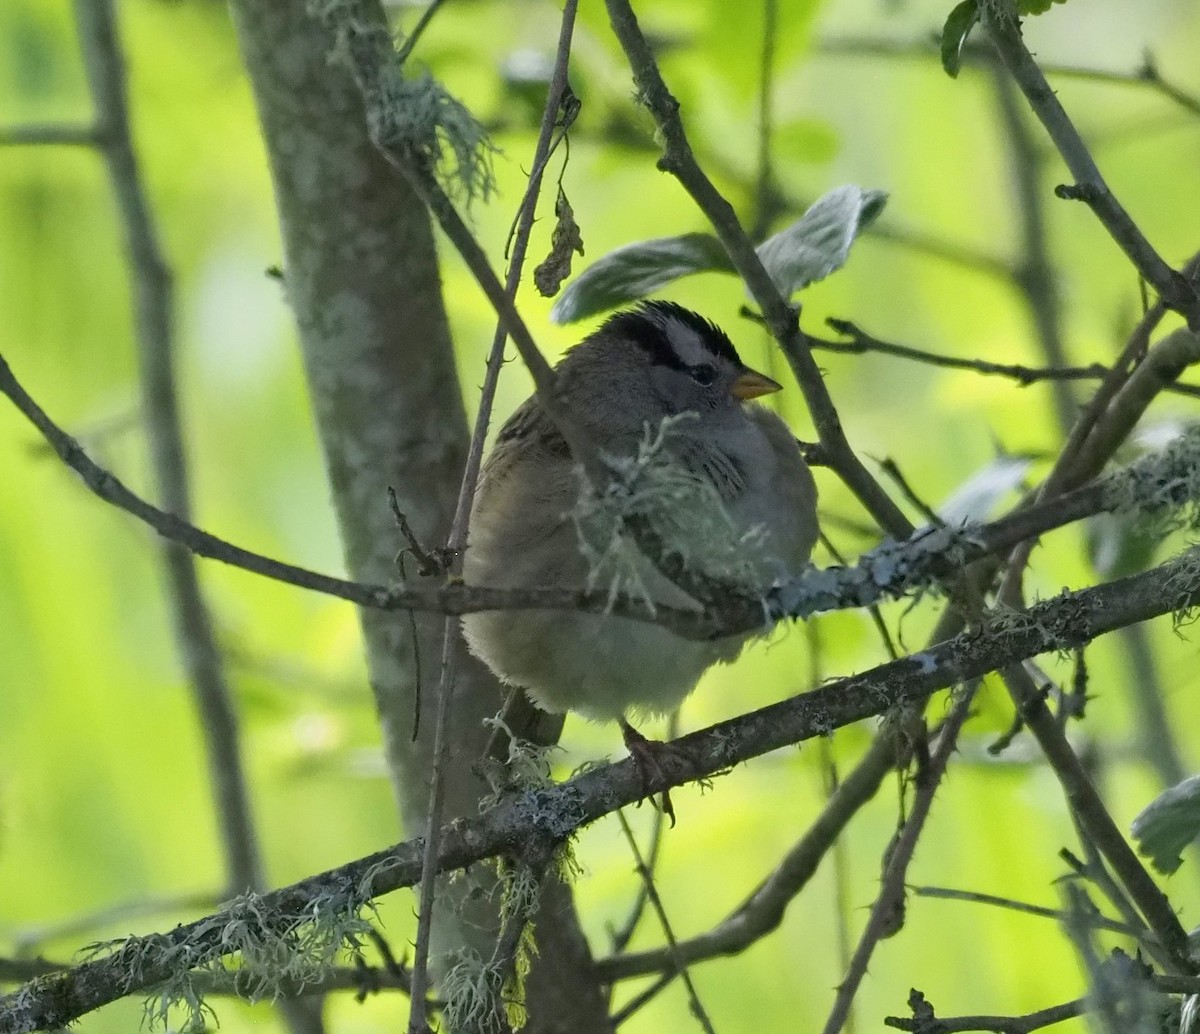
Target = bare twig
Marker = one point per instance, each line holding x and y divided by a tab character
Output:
999	1024
679	160
31	938
953	894
1034	276
1161	367
923	1022
766	190
459	529
152	289
762	912
1146	75
51	135
647	877
1085	803
418	30
1005	31
641	999
861	343
889	904
619	938
830	777
1149	74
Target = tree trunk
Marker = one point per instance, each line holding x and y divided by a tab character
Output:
362	279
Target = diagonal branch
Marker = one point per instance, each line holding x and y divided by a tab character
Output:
555	98
552	814
1090	186
679	160
890	570
152	289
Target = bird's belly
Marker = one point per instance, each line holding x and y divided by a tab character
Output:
601	667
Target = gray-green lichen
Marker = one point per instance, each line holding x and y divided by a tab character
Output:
412	117
1161	488
683	510
267	949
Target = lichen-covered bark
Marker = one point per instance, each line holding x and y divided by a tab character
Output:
361	277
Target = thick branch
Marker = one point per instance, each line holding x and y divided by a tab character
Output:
889	570
679	160
550	815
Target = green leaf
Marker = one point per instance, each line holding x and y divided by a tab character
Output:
819	241
1036	6
637	270
1168	824
954	35
811	248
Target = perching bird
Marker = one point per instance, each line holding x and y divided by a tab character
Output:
721	479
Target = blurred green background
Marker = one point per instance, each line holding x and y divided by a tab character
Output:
103	798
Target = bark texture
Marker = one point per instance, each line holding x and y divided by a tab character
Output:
362	279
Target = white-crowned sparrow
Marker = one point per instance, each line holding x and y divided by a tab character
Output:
658	374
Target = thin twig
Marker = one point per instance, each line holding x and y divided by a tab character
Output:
999	1024
1034	275
414	37
873	609
647	877
766	191
830	779
152	289
679	160
50	135
641	999
890	903
763	910
1146	75
1086	803
953	894
861	343
1096	872
462	514
619	938
1004	28
31	938
892	469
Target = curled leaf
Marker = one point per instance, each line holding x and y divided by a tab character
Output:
637	270
819	241
1168	824
565	241
954	35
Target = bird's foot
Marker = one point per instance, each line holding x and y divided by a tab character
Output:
648	755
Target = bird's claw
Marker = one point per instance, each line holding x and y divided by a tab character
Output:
647	755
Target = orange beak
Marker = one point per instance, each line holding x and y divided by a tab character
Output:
751	384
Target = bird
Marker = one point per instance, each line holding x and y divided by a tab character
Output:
664	396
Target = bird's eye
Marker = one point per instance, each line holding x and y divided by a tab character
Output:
703	374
